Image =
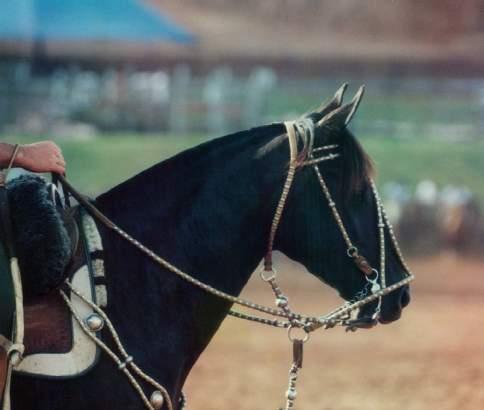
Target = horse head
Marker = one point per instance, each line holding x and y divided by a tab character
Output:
329	244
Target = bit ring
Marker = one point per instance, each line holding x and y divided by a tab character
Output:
267	275
376	273
293	337
352	251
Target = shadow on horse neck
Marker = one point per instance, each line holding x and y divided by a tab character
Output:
208	211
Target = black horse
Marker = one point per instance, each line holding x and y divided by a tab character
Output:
208	211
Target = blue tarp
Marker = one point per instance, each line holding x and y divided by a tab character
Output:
60	20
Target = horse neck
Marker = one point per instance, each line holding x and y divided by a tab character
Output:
208	213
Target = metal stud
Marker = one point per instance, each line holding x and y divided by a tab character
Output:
15	358
94	322
281	301
375	287
157	400
291	394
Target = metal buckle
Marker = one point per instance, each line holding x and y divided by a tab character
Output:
267	275
375	286
56	194
292	337
352	251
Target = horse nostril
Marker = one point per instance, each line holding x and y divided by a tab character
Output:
405	297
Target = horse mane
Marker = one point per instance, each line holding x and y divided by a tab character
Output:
358	168
190	167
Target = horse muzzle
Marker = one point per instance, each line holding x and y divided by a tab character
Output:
393	305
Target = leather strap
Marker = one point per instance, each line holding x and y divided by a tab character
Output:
93	211
6	403
3	372
292	138
10	351
6	229
4	176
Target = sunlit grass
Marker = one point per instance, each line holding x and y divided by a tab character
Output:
96	164
444	162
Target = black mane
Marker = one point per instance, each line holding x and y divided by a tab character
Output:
357	166
190	164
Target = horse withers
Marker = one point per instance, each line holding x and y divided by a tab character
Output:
209	211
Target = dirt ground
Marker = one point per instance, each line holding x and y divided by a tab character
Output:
432	358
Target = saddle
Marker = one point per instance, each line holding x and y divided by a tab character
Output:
51	242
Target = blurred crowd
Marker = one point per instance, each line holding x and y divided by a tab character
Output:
431	219
73	101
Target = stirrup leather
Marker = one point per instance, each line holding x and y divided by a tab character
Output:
11	314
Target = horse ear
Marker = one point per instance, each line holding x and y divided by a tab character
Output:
329	106
338	95
341	117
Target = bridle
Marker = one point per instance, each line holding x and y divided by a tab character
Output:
304	130
376	286
283	316
376	279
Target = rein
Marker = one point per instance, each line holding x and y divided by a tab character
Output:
283	316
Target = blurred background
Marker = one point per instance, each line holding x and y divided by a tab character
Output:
123	84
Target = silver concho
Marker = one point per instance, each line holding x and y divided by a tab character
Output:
94	322
375	287
157	400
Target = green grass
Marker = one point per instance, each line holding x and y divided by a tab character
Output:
410	161
97	164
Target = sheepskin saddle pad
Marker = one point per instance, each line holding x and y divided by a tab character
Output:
41	234
56	346
55	343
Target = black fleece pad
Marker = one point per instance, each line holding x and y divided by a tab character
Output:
40	238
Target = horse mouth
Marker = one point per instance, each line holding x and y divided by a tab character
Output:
391	315
391	310
389	319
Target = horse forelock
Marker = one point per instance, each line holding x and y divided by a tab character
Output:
357	167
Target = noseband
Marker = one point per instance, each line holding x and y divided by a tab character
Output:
283	317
